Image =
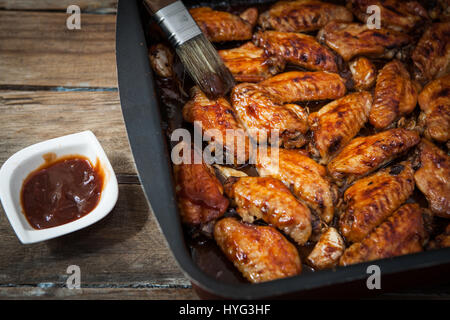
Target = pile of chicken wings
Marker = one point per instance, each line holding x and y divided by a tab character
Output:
346	172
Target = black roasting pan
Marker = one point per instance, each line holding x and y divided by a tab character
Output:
142	114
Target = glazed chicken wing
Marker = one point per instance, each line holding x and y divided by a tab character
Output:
354	39
402	233
298	49
442	240
364	155
395	95
263	115
269	199
434	101
305	176
305	86
219	26
335	124
199	193
248	63
161	60
431	57
260	253
433	178
397	15
364	73
369	201
302	15
327	251
215	118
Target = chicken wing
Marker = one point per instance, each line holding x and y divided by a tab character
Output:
335	124
433	178
306	177
442	240
161	60
434	101
248	63
369	201
431	57
199	193
269	199
302	15
327	251
364	73
263	115
395	14
402	233
220	26
298	49
305	86
395	95
364	155
354	39
260	253
215	119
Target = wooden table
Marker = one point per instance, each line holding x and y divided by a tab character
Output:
53	82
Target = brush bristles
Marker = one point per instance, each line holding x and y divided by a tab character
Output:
205	66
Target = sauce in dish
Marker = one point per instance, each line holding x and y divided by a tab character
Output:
61	190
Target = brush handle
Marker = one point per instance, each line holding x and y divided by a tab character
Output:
174	19
154	5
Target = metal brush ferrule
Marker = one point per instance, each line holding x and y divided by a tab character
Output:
177	23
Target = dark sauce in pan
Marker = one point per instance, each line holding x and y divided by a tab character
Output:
174	93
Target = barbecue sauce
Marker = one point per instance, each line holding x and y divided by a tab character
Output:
61	190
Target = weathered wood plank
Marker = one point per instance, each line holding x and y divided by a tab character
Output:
126	249
37	49
33	116
98	294
85	5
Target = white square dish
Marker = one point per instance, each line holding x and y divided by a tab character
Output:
15	170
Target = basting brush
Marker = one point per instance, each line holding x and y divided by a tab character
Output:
196	53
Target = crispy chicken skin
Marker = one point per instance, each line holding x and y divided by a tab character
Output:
370	200
305	86
395	95
364	73
364	155
327	251
302	15
220	26
335	124
397	15
217	115
262	114
434	101
431	57
269	199
433	178
199	193
248	63
354	39
306	177
260	253
298	49
402	233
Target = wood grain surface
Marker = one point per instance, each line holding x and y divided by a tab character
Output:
61	5
54	82
29	117
37	49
